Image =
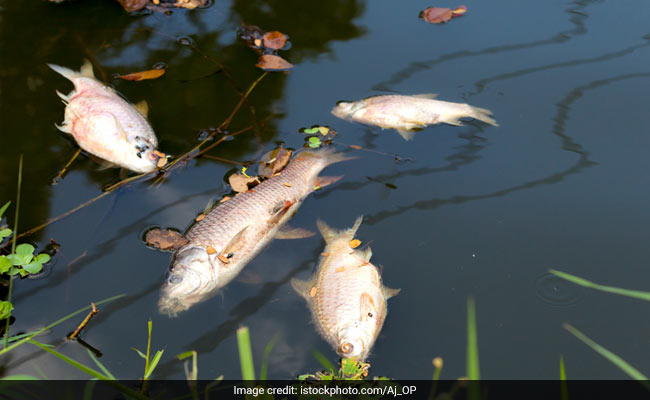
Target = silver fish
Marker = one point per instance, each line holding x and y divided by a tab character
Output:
409	113
234	232
346	296
105	125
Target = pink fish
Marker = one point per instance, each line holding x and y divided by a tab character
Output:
105	125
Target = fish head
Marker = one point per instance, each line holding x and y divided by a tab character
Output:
144	156
353	342
191	279
345	109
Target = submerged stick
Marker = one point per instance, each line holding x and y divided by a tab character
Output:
65	168
83	323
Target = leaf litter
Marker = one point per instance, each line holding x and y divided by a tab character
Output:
438	15
266	44
165	239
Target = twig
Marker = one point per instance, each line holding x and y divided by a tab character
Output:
65	169
95	351
83	323
213	145
224	160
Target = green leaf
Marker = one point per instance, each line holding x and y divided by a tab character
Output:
4	208
616	360
101	366
245	354
637	294
323	360
472	343
314	142
14	271
307	131
265	358
26	251
5	309
5	264
5	233
15	259
43	258
153	364
33	267
20	377
139	352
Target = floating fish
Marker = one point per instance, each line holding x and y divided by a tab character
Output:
235	231
409	113
105	125
345	295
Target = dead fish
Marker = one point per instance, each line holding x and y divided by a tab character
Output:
235	231
346	296
105	125
409	113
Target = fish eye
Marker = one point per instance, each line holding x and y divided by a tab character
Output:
174	279
346	348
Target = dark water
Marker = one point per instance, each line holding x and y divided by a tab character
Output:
481	211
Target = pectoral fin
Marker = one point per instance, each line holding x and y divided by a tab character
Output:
407	135
235	244
294	233
367	308
142	107
366	253
303	288
388	292
63	128
120	129
87	69
279	211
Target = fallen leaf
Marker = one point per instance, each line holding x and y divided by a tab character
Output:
223	259
165	239
323	130
142	75
287	184
225	198
240	183
459	11
354	243
162	161
270	62
436	15
273	162
274	40
199	217
324	254
340	269
313	291
133	5
210	250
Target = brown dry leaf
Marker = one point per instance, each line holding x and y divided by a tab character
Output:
273	162
165	239
240	183
287	184
142	75
162	161
199	217
340	269
274	40
458	11
225	198
269	62
354	243
210	250
133	5
223	259
324	254
313	291
436	15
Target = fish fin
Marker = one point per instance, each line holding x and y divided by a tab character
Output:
120	129
407	135
63	128
425	95
235	244
453	121
483	114
367	307
279	210
66	72
87	69
103	164
388	292
293	233
330	155
366	253
142	107
63	97
330	234
323	181
302	288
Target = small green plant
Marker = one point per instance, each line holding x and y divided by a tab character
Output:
23	261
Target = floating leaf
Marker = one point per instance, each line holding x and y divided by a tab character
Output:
223	259
25	251
274	40
324	130
210	250
459	11
273	162
199	217
142	75
6	232
313	291
5	264
436	15
354	243
33	268
165	239
310	130
270	62
240	183
314	142
252	35
5	309
133	5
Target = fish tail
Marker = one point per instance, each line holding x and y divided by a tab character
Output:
330	234
86	70
483	114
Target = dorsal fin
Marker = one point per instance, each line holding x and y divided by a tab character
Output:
330	234
366	253
407	135
87	69
302	288
425	95
142	107
388	292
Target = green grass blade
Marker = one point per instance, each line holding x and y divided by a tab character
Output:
472	342
265	359
95	374
245	354
637	294
4	208
13	244
563	387
19	377
616	360
154	363
323	360
100	365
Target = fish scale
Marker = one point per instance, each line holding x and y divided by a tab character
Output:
234	232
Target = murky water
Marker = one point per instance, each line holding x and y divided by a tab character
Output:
480	211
